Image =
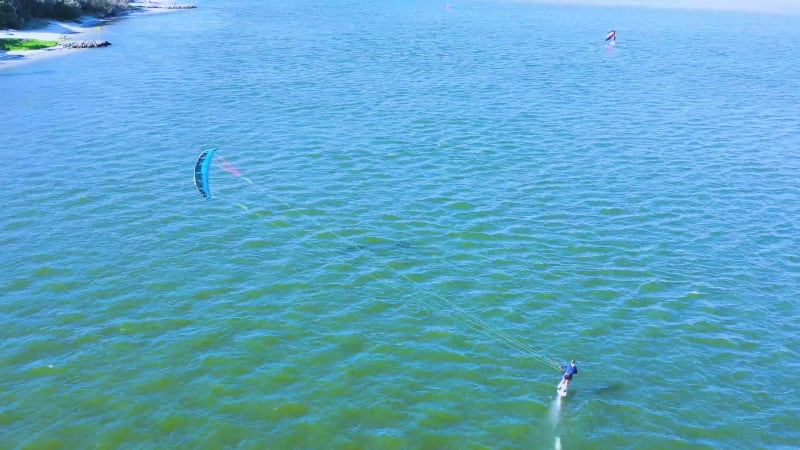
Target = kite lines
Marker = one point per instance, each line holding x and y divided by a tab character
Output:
435	302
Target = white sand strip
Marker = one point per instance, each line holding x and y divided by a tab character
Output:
53	31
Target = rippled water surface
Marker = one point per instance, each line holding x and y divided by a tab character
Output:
443	202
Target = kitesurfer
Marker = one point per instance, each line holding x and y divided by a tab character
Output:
569	371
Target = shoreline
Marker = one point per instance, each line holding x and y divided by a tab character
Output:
85	28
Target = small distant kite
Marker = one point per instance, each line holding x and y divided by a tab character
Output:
611	36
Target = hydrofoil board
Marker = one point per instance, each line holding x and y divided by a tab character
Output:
561	389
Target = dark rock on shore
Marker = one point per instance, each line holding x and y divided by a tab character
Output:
85	44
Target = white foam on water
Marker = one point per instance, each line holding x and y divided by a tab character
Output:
555	414
555	411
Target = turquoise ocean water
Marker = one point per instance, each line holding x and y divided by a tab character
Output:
442	200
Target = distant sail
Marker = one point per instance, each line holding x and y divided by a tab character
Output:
611	35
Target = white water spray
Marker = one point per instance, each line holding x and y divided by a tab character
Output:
555	415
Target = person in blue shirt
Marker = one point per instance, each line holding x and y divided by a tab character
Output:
569	371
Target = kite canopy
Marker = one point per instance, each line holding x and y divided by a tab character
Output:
201	172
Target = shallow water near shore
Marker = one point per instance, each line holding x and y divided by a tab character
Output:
441	199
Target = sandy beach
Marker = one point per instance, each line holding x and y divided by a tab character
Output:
86	28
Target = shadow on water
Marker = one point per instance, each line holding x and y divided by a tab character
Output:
607	390
377	247
557	406
19	74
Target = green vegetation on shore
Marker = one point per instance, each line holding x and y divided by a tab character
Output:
25	44
19	13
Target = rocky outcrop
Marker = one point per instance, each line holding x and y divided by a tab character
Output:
85	44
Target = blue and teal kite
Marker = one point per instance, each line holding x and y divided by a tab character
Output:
201	172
